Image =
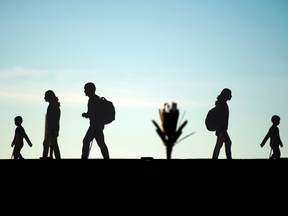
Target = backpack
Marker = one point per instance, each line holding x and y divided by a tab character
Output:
212	120
108	110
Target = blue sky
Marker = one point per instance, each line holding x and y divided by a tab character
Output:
140	55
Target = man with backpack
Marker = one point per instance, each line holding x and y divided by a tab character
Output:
97	113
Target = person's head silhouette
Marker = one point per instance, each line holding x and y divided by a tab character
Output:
51	97
224	96
275	120
18	120
89	89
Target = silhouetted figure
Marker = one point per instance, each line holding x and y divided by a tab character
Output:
52	124
50	149
217	120
96	114
18	138
274	136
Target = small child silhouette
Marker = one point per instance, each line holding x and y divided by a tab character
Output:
274	136
18	138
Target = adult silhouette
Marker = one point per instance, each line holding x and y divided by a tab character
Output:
52	124
97	121
222	117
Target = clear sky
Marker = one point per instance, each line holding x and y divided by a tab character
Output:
141	54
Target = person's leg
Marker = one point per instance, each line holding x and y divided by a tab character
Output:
228	144
218	146
20	156
101	143
276	153
50	151
86	143
16	152
46	144
55	147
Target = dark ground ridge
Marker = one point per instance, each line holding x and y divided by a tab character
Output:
144	186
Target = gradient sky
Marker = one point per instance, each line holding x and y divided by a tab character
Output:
141	54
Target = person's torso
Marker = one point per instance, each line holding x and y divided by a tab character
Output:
53	117
95	110
274	136
19	131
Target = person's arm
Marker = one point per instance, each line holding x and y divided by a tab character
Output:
281	144
278	137
87	114
265	139
224	116
23	133
15	138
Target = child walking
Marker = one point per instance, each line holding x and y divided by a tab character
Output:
274	136
18	138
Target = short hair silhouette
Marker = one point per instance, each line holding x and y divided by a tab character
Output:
18	120
275	119
90	87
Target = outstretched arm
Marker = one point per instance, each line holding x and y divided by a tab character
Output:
265	139
28	140
23	133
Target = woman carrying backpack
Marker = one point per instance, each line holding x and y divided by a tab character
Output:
222	112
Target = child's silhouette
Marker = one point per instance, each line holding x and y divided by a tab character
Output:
274	136
95	114
18	138
222	111
52	122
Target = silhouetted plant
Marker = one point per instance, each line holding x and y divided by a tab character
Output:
168	132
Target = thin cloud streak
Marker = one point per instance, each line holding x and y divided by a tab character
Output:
77	99
20	96
30	84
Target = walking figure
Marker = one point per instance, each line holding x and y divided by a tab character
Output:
18	138
217	120
274	136
52	124
96	114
